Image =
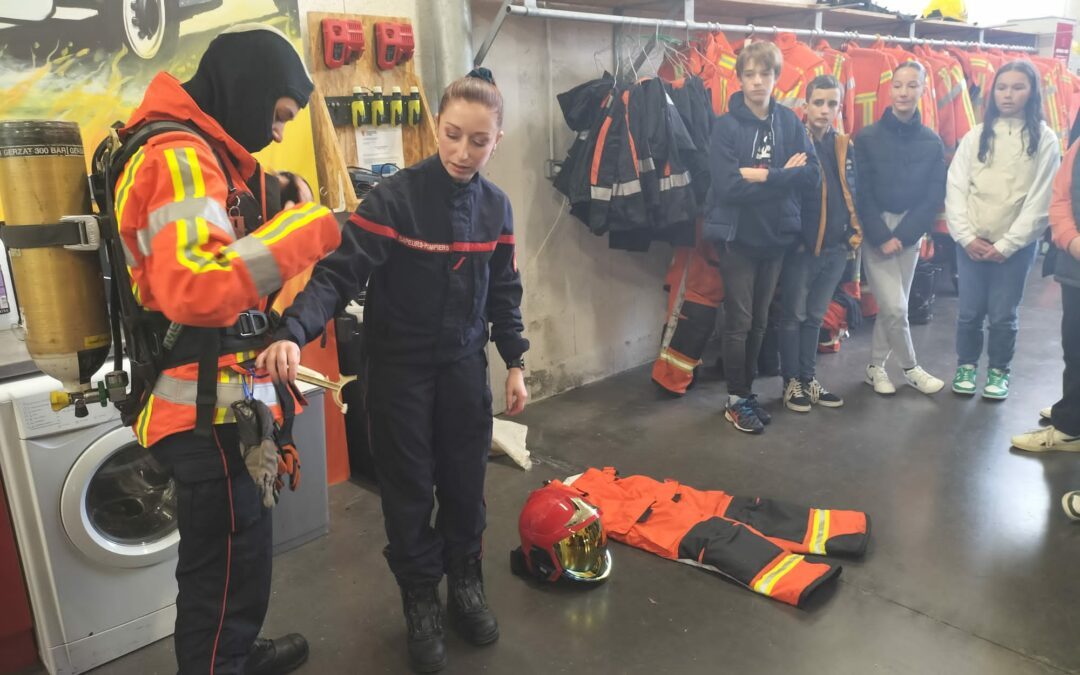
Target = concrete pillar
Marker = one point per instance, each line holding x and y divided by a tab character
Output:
445	28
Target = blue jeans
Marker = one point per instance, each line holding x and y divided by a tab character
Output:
994	290
807	284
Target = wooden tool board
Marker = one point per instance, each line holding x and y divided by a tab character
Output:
419	141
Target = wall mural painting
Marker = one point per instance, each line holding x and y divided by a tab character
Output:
89	61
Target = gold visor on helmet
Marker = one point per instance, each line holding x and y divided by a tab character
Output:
584	555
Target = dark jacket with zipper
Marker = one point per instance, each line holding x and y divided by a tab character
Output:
901	170
762	217
441	262
828	213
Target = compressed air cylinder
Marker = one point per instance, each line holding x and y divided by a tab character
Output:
61	292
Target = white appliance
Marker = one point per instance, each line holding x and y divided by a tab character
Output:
95	521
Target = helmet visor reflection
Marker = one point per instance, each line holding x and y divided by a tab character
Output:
584	555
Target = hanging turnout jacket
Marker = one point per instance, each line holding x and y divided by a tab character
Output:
760	544
838	64
872	71
185	257
801	65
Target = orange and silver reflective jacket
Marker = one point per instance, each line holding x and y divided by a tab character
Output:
184	257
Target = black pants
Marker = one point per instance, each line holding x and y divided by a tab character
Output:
1066	413
431	435
749	287
223	571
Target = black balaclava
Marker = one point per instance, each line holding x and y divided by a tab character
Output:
242	75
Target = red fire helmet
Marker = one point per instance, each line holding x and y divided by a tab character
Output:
562	536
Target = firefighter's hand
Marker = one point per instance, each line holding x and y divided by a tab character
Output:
754	175
303	190
892	247
796	160
280	360
516	393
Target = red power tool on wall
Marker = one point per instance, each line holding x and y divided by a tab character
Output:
394	44
343	41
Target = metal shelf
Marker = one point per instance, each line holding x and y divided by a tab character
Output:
749	16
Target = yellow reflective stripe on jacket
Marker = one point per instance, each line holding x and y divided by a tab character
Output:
819	532
192	234
768	581
142	423
126	181
288	222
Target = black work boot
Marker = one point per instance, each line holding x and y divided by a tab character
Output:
277	657
423	616
467	608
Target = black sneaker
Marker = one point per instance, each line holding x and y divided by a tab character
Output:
819	395
759	410
741	414
795	398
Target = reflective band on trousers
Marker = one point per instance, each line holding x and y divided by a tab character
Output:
819	532
183	392
767	582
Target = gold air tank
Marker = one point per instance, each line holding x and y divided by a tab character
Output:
61	292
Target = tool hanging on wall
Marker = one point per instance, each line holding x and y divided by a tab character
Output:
394	44
343	42
378	107
361	110
396	107
414	110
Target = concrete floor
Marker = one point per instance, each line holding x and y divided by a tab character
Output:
971	567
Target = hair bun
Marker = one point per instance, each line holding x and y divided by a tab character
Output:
482	74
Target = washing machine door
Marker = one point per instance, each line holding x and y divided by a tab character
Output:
118	505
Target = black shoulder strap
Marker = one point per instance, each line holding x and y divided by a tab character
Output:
143	330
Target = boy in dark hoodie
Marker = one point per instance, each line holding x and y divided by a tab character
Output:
762	161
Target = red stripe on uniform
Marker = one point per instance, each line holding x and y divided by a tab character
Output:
228	551
374	228
429	246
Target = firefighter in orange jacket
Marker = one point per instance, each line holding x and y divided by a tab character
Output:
199	258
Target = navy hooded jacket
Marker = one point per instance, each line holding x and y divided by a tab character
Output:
758	215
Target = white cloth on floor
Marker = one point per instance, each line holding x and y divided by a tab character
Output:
509	438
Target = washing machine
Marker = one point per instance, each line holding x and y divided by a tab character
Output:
95	522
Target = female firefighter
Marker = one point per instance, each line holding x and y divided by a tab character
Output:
437	242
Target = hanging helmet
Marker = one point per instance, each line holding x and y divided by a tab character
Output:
953	10
562	536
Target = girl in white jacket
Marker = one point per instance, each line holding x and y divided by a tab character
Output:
997	201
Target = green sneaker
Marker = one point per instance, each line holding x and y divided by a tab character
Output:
997	384
964	380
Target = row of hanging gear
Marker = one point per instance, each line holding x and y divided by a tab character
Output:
638	168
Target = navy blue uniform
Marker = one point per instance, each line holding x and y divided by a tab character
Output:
441	263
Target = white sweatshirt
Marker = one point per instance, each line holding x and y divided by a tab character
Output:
1004	200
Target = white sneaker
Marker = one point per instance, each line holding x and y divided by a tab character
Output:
877	378
1070	503
1046	412
923	381
1046	439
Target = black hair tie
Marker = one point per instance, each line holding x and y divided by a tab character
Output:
482	74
